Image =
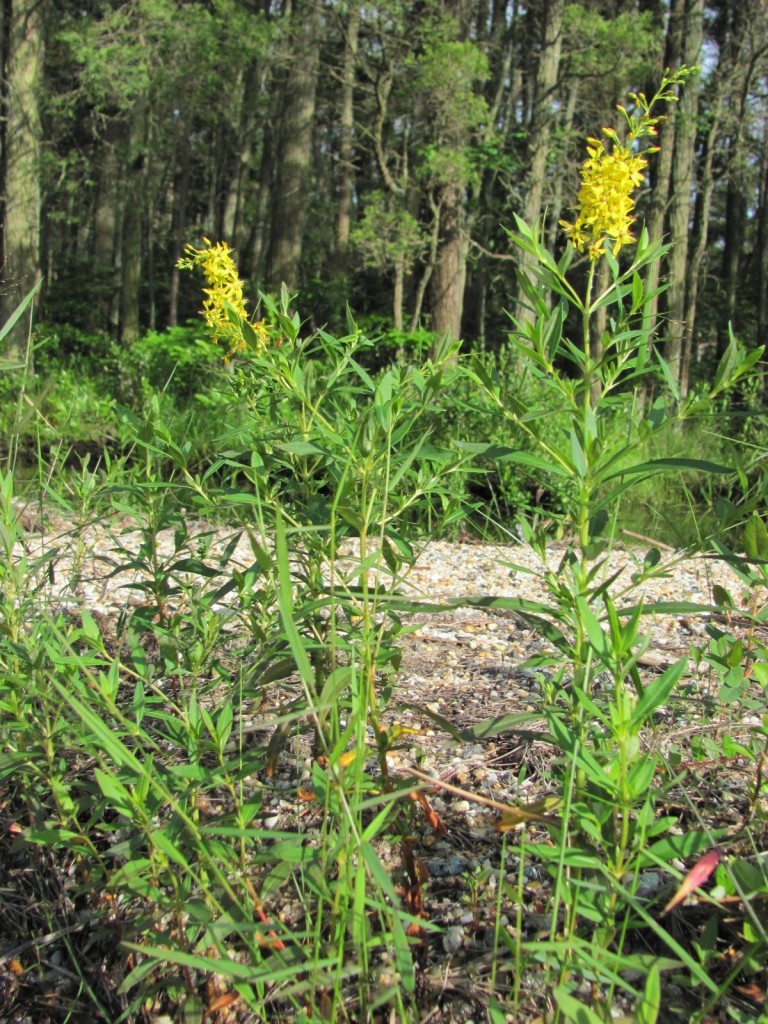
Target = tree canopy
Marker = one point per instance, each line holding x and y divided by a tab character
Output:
370	154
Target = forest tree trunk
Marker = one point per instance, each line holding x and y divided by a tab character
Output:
289	199
20	139
547	68
133	210
178	216
450	271
346	126
106	233
678	335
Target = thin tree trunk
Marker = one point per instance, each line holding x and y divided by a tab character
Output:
678	333
451	268
429	268
557	200
450	273
735	224
132	233
106	230
290	199
178	217
547	68
661	167
347	125
700	235
20	138
761	255
398	293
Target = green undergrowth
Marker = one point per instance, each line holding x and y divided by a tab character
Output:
78	397
200	808
87	399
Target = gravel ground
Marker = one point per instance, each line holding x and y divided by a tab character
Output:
465	664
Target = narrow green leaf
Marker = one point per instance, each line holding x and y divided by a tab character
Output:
665	465
656	693
90	628
15	316
573	1009
649	1005
577	454
637	292
680	847
100	732
403	958
486	728
114	790
285	605
169	848
193	565
595	632
273	969
501	453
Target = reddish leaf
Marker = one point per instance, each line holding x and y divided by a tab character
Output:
698	874
222	1002
752	991
431	814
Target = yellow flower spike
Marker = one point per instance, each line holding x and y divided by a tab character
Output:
224	297
605	202
609	178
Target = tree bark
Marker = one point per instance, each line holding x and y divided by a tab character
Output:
761	247
547	67
347	127
678	335
178	215
132	231
539	130
290	192
107	229
450	271
20	140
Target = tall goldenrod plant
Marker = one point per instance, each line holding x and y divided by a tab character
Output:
333	465
597	707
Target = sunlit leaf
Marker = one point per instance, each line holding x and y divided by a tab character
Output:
755	538
542	810
573	1009
649	1005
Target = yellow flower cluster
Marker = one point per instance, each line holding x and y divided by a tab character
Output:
605	203
224	297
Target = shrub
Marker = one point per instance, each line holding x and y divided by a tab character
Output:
179	360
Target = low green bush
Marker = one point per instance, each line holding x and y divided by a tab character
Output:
180	361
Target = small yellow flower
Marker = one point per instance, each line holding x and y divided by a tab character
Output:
224	306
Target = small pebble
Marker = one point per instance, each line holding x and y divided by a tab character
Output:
453	939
